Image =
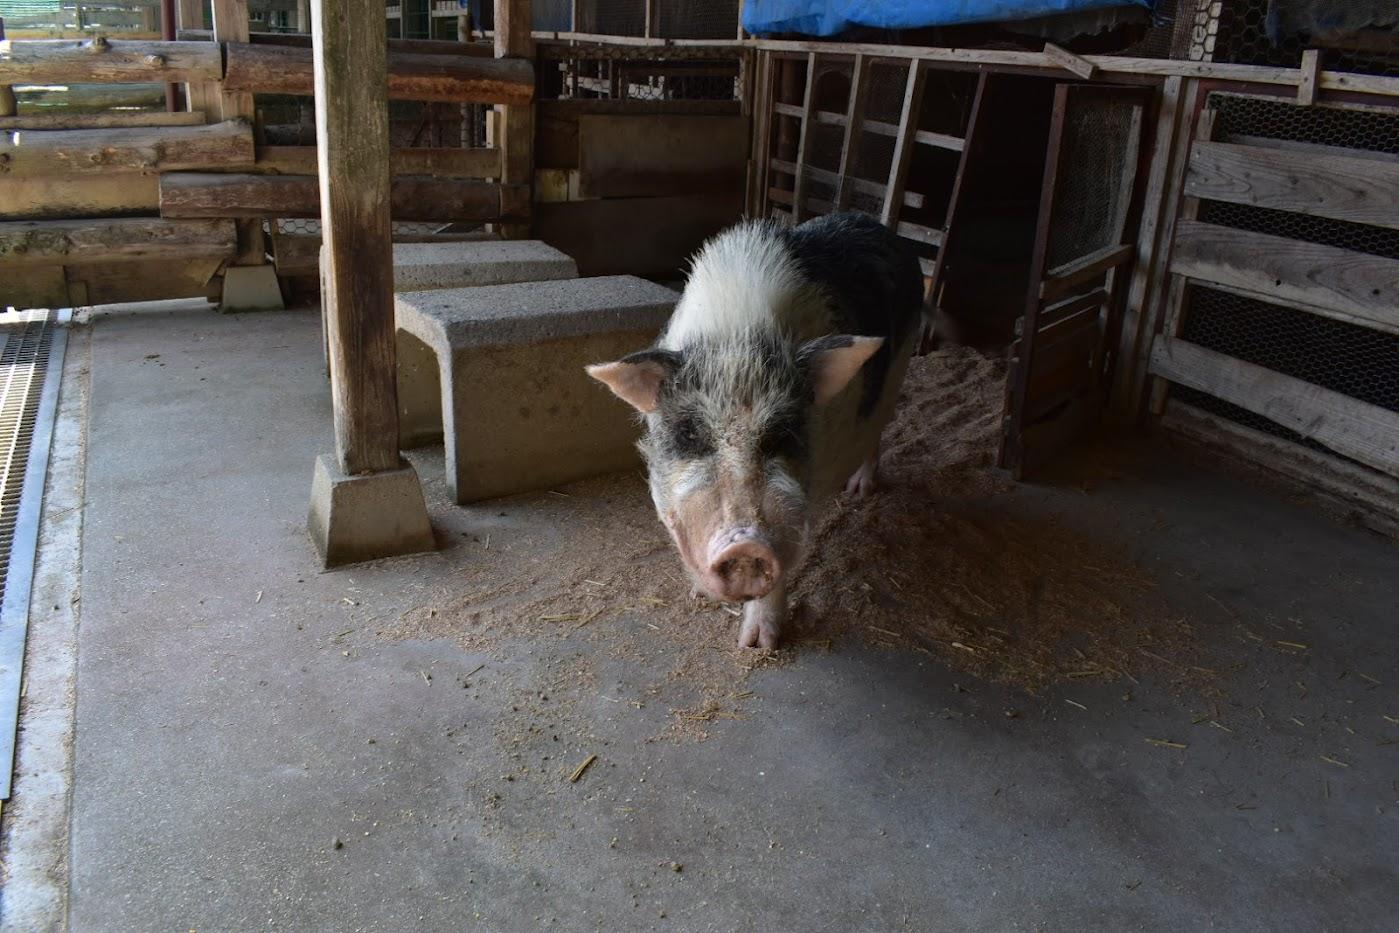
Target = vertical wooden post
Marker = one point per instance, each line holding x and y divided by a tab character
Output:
352	150
649	29
8	107
513	22
231	25
903	145
190	14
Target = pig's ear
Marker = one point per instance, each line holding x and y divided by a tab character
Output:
833	361
637	379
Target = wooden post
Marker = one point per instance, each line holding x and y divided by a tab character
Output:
513	22
231	25
8	107
366	503
352	138
190	14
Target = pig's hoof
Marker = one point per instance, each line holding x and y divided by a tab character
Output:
863	483
758	632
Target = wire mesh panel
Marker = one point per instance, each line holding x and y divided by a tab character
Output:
1358	35
1090	199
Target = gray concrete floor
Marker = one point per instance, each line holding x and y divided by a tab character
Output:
237	715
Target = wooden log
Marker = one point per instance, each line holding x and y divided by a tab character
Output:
200	194
458	163
126	239
1360	190
1355	429
8	105
103	61
303	41
1359	288
58	197
271	69
33	153
352	136
97	121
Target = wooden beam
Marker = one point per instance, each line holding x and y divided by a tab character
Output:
1070	62
903	144
273	69
62	197
803	135
1355	429
97	121
122	239
513	19
439	162
1359	288
854	120
1059	280
1360	190
352	133
198	194
1311	77
303	41
33	153
104	61
8	106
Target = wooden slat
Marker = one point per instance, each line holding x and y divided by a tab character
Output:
903	145
1355	429
798	201
854	117
1360	190
874	188
32	153
1075	64
1355	287
1059	280
878	127
1311	77
919	232
1316	149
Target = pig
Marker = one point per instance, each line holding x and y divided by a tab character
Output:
766	394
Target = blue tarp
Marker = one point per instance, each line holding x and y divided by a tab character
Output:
830	17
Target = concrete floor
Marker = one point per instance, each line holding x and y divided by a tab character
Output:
237	717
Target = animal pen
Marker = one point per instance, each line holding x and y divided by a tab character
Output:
1183	228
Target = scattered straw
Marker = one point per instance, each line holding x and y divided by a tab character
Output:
578	771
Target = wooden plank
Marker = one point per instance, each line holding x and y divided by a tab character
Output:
1076	64
33	153
411	197
879	128
352	137
458	163
803	137
1359	288
903	146
1061	279
1359	190
1316	149
104	61
145	280
874	188
854	119
919	232
66	242
556	142
97	121
1370	497
271	69
59	198
635	236
1363	432
1310	77
624	156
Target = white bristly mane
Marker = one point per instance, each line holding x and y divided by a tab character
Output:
743	280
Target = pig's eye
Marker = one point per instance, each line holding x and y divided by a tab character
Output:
781	441
689	438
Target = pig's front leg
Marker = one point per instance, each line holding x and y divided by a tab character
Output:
865	480
762	620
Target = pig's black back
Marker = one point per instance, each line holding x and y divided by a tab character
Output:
872	279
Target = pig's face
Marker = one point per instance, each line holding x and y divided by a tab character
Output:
726	445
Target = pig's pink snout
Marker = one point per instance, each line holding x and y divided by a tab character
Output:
742	565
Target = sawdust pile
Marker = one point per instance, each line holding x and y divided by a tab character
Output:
945	560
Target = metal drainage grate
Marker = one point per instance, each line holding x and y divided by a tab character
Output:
31	365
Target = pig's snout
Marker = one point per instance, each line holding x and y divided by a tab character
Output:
742	565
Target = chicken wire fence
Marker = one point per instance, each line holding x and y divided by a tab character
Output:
1090	198
1356	361
1359	35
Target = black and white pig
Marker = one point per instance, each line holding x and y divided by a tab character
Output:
766	395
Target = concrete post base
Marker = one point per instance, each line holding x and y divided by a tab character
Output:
358	518
251	288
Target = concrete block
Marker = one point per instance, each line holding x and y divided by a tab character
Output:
366	517
419	266
498	371
251	288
